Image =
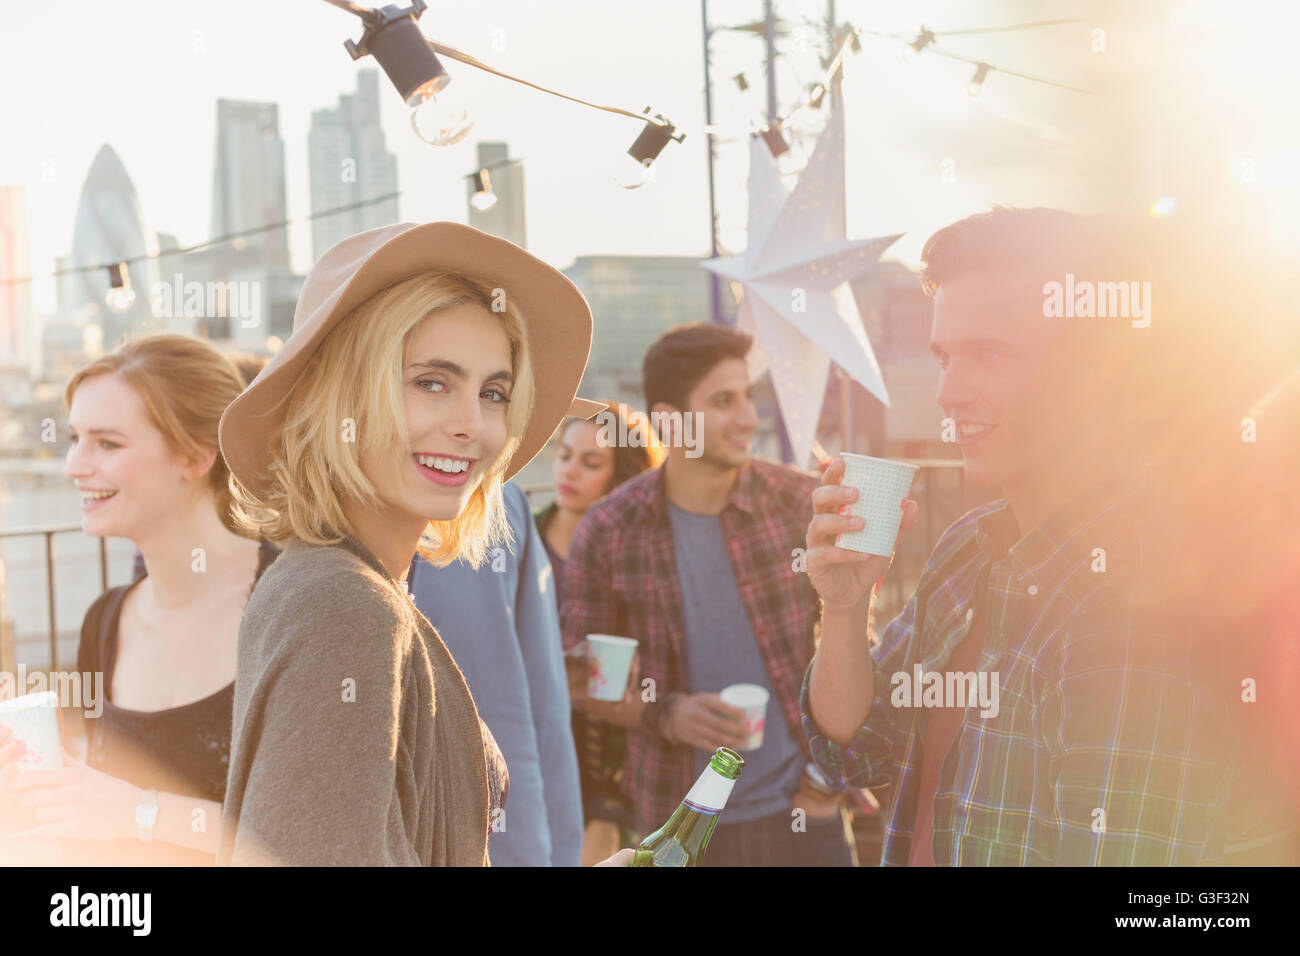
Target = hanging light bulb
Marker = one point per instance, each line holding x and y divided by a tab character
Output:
775	141
977	81
393	36
741	82
120	295
923	40
635	170
442	119
484	198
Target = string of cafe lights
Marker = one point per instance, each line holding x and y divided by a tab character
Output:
410	60
392	36
922	41
120	295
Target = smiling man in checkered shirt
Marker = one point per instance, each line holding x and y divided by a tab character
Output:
1105	747
699	561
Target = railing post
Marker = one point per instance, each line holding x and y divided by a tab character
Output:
49	578
8	642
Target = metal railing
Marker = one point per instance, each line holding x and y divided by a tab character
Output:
48	532
928	469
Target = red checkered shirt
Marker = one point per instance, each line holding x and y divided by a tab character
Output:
621	578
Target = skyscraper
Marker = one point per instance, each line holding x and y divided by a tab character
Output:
506	217
17	323
248	178
349	163
109	228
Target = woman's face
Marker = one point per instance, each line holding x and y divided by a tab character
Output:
116	449
456	383
583	468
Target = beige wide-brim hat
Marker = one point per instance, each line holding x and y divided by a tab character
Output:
555	313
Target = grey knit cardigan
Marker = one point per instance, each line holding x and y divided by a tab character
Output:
356	740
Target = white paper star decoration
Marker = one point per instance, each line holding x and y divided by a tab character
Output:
794	274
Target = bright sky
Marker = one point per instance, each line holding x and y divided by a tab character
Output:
145	77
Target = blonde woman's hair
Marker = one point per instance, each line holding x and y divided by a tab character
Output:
350	399
185	384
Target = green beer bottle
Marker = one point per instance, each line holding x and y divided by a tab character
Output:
682	840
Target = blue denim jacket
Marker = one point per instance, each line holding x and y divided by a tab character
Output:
502	627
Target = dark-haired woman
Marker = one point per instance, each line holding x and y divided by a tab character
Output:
591	463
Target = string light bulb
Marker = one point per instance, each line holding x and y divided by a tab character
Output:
120	295
775	141
442	119
484	197
635	171
977	81
923	40
392	35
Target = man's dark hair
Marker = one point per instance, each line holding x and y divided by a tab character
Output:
1039	240
681	358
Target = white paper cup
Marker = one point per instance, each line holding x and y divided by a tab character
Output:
752	699
609	661
882	485
34	721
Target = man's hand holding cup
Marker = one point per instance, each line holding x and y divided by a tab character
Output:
844	578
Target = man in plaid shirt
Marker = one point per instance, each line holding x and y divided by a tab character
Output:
1103	746
700	561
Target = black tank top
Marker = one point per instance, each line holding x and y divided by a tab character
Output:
182	750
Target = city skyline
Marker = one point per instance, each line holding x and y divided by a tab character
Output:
921	152
574	151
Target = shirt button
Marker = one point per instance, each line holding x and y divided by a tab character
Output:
1033	589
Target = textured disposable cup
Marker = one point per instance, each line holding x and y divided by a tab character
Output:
609	661
34	722
882	485
752	699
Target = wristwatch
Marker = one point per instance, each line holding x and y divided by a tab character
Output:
146	815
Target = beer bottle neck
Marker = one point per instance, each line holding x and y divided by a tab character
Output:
709	794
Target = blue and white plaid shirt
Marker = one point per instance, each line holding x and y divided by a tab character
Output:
1104	749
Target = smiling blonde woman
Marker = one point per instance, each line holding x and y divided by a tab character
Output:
428	364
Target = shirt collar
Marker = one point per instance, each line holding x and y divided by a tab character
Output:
744	493
997	531
1048	552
